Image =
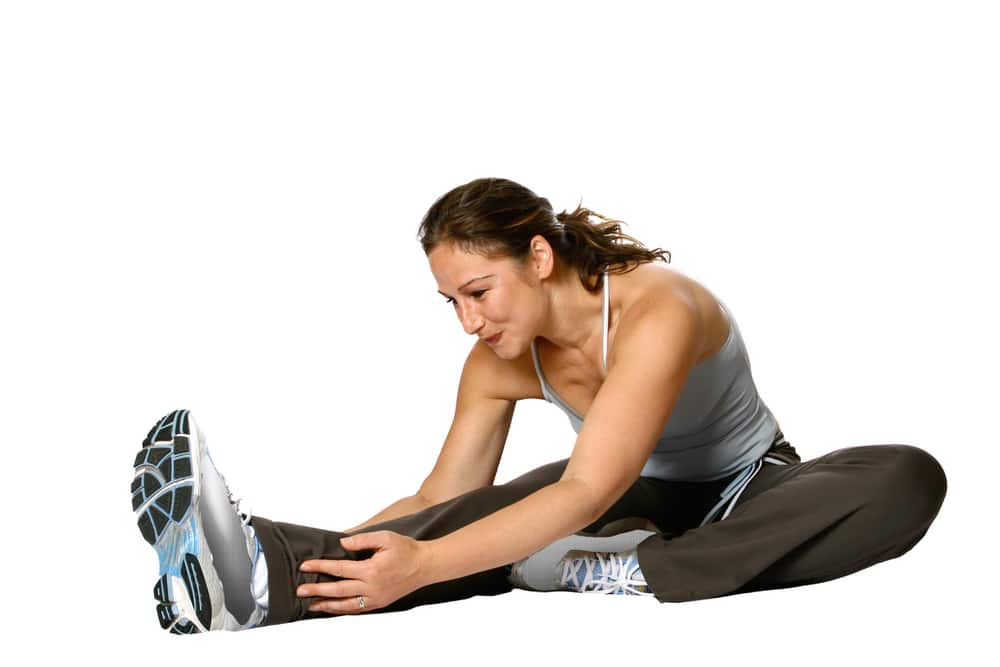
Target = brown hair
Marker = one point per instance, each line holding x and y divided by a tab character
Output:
497	218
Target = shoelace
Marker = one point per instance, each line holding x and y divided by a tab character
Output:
607	573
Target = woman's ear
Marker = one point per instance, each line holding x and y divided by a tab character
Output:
542	257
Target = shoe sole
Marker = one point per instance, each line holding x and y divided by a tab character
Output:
166	490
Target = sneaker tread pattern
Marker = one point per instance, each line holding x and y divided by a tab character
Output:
162	491
163	476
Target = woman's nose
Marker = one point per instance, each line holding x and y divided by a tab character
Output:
471	321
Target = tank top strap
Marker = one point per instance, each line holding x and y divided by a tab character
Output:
604	328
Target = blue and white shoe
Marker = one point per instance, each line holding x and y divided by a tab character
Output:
587	564
212	572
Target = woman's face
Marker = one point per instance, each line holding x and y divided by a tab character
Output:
490	297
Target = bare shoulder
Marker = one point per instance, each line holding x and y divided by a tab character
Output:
657	290
509	379
656	280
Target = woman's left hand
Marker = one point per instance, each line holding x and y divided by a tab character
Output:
393	571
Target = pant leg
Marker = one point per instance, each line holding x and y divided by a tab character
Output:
803	523
286	545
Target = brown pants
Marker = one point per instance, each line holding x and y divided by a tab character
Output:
795	523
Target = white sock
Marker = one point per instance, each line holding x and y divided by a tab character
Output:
258	570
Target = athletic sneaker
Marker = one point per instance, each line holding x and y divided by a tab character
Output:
585	563
213	575
608	573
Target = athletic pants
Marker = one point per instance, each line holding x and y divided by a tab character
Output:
792	523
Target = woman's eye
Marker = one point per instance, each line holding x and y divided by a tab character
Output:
476	295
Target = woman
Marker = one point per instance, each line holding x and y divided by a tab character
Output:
680	484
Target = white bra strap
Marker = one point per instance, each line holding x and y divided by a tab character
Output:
604	328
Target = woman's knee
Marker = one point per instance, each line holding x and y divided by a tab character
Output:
925	473
913	482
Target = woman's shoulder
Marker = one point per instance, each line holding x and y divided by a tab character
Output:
654	282
658	288
653	288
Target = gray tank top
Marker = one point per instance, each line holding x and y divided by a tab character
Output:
719	423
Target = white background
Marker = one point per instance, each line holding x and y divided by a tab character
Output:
214	206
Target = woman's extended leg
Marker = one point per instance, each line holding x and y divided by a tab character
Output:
209	550
802	524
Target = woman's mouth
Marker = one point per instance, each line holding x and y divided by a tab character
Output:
494	339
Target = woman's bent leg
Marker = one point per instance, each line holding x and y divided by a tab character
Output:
286	545
803	523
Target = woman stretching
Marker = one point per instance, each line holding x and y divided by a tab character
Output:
680	484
